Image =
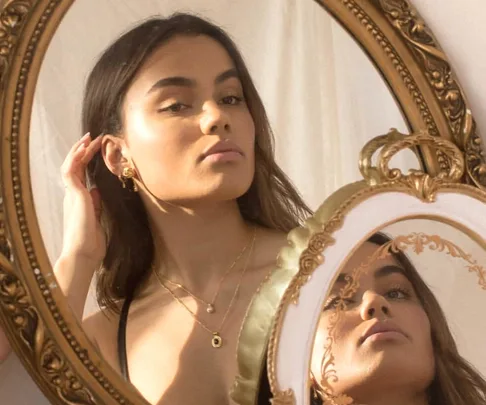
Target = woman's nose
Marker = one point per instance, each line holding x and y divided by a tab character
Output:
214	120
374	306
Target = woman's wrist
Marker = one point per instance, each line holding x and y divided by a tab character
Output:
74	274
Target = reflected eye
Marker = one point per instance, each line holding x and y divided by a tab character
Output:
231	100
173	108
398	294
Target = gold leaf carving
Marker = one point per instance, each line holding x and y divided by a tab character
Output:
311	257
419	241
12	18
41	351
422	185
57	371
283	398
17	307
438	71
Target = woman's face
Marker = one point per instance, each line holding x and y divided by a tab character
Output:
383	340
187	128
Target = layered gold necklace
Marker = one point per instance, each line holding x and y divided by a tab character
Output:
210	306
216	339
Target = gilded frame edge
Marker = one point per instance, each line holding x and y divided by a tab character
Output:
330	218
44	334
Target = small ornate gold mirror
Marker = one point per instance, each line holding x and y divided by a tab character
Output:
388	299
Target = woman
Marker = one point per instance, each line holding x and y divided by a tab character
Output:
189	211
392	344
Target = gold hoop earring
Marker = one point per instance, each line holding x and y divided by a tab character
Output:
127	179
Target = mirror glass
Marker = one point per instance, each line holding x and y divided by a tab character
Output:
323	97
405	310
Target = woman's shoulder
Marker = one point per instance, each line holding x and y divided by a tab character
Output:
102	325
269	244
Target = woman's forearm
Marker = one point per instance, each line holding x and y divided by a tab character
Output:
74	275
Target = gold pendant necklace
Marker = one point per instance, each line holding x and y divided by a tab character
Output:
216	339
210	306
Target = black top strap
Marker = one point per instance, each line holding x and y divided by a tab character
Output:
122	339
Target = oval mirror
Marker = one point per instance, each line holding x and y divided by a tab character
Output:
387	302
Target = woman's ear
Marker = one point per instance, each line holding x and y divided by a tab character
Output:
115	153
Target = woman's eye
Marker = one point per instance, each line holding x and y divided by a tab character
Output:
174	108
398	294
232	100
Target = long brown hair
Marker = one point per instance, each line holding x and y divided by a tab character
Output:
271	200
456	382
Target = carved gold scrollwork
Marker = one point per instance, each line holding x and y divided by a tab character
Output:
448	148
16	303
43	353
58	372
12	18
438	71
423	185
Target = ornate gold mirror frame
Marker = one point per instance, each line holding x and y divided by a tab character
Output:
32	310
311	242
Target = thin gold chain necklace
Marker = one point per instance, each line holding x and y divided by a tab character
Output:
210	306
216	340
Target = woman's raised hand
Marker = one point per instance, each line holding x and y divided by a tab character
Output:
84	240
83	235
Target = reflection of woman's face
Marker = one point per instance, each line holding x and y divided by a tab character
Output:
186	99
383	340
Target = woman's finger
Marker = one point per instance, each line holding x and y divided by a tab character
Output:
83	141
72	170
91	150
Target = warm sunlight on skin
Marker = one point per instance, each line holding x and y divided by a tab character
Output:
185	89
399	359
190	135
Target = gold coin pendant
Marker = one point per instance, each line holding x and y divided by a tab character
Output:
216	341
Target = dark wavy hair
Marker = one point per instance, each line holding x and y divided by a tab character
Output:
271	200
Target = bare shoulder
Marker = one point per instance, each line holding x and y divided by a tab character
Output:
101	328
269	244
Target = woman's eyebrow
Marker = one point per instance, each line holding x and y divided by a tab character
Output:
380	273
228	74
172	81
181	81
388	270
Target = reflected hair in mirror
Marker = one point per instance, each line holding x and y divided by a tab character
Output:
456	382
271	201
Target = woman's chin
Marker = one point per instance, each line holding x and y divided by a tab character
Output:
226	188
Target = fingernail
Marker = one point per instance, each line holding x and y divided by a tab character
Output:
86	136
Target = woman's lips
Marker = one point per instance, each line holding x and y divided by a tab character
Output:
222	151
382	330
225	156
